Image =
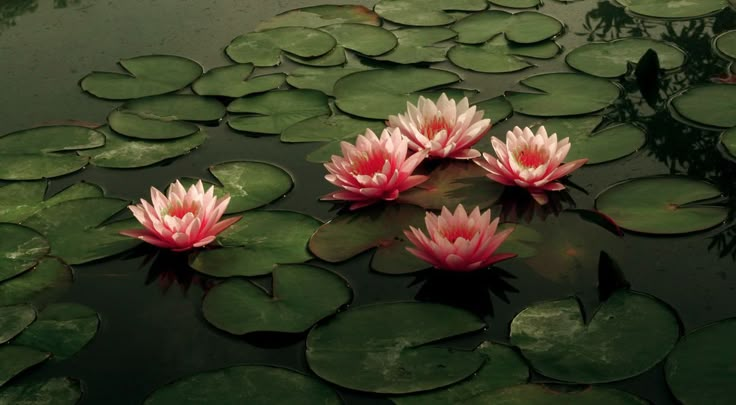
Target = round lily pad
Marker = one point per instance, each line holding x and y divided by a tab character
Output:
423	13
728	141
500	56
670	9
662	205
53	391
234	81
147	76
322	79
15	359
539	394
14	319
526	27
335	57
416	45
61	329
365	39
264	48
711	104
725	43
320	16
627	335
273	112
254	385
332	128
301	295
614	58
582	94
701	369
517	3
387	348
20	200
38	284
497	109
20	249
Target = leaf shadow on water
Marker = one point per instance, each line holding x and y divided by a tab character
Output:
166	268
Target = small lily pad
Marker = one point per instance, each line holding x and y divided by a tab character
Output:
423	13
20	200
320	16
332	128
670	9
538	394
517	3
14	319
15	359
728	141
147	76
53	391
273	112
387	348
20	249
526	27
416	45
711	104
614	58
582	94
301	295
264	48
725	44
234	81
322	79
38	284
62	329
500	56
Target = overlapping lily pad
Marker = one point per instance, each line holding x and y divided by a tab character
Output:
15	359
726	44
662	205
364	39
526	27
234	81
582	94
37	285
500	56
264	48
332	128
728	141
387	348
422	13
322	79
670	9
20	249
273	112
711	104
539	394
517	3
147	76
614	58
301	295
61	329
14	319
20	200
320	16
56	391
417	45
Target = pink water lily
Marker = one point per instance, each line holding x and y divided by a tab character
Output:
373	169
445	129
183	219
458	241
528	160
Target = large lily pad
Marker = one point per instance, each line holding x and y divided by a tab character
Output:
20	249
726	44
16	359
234	81
20	200
614	58
255	244
62	329
36	153
526	27
662	205
500	56
273	112
711	104
581	93
673	9
728	141
387	348
539	394
14	319
423	13
53	391
38	284
628	334
701	369
254	385
417	45
322	79
147	76
496	109
301	295
333	128
320	16
264	48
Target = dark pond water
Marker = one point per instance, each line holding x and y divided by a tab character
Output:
152	331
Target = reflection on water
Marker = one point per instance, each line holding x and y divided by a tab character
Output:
11	10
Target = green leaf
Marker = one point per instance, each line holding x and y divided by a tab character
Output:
232	81
20	200
147	76
324	153
16	359
37	285
582	94
53	391
364	39
322	79
20	249
335	57
725	44
710	104
254	385
517	3
497	109
417	45
320	16
728	142
614	58
701	369
387	348
301	295
539	394
500	56
264	48
273	112
423	13
332	128
526	27
664	205
670	9
14	319
629	334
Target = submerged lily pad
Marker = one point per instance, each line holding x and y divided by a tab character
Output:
16	359
627	335
539	394
264	48
20	249
417	45
301	295
701	369
614	58
53	391
320	16
662	205
711	104
526	27
387	348
322	79
38	284
147	76
517	3
20	200
673	9
332	128
582	94
273	112
500	56
726	44
62	329
254	385
234	81
14	319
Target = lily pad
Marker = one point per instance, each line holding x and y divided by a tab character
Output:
36	153
264	48
711	104
728	141
20	249
725	44
387	348
423	13
614	58
322	79
539	394
365	39
257	243
14	319
147	76
254	385
497	109
62	329
517	3
335	57
500	56
582	94
20	200
332	128
320	16
665	205
629	333
301	295
673	9
234	81
416	45
273	112
37	284
53	391
701	369
16	359
526	27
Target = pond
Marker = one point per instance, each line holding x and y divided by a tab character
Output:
622	289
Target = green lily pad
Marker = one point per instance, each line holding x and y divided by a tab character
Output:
301	295
523	241
254	385
500	56
322	79
379	93
335	57
496	109
147	76
629	333
539	394
504	367
517	3
20	249
664	205
122	152
62	329
332	128
264	48
273	112
614	58
83	238
673	9
423	13
16	359
20	200
526	27
582	94
416	45
38	284
387	348
257	243
320	16
711	104
234	81
365	39
324	153
14	319
53	391
701	369
36	153
725	44
728	141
